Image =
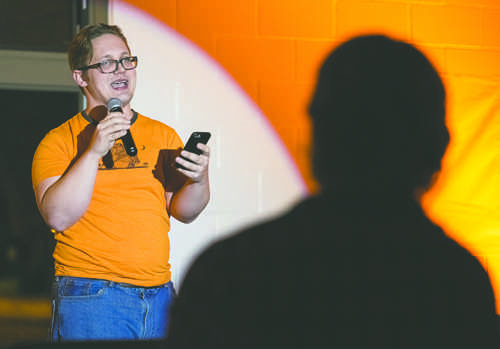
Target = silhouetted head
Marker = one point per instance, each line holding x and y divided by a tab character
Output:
378	114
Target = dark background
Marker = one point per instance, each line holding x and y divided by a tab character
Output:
26	243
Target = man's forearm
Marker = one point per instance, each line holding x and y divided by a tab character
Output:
190	201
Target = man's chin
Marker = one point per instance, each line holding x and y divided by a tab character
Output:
124	97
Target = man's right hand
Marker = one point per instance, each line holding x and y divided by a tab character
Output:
112	127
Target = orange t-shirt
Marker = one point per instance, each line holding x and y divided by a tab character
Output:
123	235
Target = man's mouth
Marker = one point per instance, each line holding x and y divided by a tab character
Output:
119	84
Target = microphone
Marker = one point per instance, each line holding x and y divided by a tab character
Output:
114	105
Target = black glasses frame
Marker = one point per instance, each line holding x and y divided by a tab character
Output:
98	66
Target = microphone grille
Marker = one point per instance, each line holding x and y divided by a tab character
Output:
114	103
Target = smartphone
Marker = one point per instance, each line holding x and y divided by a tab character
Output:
191	145
195	138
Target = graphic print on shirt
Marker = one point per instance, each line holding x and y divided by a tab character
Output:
117	159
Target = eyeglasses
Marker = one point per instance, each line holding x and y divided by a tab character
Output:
111	65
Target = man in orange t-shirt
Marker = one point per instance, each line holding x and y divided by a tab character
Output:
110	210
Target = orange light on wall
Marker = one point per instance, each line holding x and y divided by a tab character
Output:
273	50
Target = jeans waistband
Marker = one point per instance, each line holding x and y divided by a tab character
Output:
110	283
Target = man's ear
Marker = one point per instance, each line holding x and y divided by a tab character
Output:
79	78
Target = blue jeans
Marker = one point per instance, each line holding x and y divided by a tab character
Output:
92	309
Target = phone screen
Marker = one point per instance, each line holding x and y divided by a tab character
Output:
191	145
194	139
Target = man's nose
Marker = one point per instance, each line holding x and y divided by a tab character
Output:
119	67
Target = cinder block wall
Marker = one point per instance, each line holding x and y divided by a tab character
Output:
272	48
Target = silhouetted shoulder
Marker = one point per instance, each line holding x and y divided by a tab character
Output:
307	277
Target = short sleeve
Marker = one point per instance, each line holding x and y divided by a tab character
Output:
51	158
174	140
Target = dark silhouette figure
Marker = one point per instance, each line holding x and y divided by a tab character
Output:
358	265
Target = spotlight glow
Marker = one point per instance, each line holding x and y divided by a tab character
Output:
252	175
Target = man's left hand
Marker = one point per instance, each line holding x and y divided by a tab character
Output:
195	167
